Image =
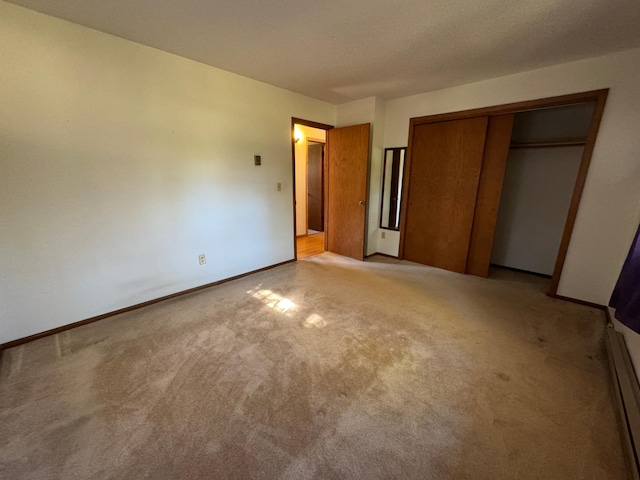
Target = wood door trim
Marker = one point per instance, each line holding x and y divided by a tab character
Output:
309	123
587	153
325	192
321	126
305	195
597	96
405	190
524	106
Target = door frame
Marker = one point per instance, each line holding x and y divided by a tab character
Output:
599	97
322	126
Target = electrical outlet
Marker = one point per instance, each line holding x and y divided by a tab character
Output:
383	234
257	160
202	259
279	187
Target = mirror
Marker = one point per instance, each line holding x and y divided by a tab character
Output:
392	187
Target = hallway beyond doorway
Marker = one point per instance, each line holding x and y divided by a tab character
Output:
310	245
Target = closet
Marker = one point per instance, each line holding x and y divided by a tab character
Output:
444	178
542	166
498	185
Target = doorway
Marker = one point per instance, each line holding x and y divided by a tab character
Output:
330	192
309	174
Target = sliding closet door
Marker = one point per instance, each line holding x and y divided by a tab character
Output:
494	165
446	159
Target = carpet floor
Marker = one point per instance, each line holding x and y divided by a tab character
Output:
327	368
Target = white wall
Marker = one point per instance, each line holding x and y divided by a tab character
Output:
356	112
119	164
301	154
536	193
610	207
369	110
375	178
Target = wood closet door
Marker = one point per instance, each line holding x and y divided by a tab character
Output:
445	164
494	164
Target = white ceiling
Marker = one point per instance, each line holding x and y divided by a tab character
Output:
342	50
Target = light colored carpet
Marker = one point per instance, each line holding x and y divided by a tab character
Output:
328	369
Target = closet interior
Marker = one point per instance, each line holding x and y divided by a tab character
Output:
542	166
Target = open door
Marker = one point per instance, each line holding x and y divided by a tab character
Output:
348	174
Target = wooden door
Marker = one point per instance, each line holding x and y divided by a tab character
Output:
348	174
444	170
315	200
494	164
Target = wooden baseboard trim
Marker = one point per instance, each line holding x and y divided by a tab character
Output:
519	270
607	311
53	331
579	302
382	255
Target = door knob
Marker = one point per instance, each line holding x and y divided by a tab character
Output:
360	202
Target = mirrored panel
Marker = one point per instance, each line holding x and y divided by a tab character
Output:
392	187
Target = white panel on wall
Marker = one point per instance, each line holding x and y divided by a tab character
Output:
536	194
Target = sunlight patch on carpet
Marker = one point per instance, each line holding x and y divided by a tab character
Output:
273	300
315	320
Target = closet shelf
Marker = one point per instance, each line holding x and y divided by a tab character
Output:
553	142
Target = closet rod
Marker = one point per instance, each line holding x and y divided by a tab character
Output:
555	142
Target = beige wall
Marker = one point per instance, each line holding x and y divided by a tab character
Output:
307	133
119	164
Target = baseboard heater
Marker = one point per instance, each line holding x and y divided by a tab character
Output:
627	391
